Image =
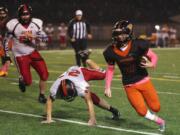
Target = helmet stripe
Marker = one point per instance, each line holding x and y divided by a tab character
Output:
64	88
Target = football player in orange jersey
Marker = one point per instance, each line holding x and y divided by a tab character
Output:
133	56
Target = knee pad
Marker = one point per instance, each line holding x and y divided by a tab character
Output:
45	76
28	82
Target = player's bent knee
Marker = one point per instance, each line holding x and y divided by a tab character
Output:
28	82
95	99
141	111
45	76
156	108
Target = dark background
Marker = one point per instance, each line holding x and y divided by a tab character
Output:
100	11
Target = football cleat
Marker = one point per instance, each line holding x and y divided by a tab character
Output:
22	85
162	126
3	73
115	114
85	53
42	99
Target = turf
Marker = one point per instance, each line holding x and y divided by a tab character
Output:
166	78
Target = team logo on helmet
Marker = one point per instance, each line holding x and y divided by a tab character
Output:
67	90
122	32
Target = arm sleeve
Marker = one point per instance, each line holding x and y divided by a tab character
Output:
110	68
153	57
109	76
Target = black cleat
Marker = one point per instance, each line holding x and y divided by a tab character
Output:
116	116
22	85
42	99
115	113
85	53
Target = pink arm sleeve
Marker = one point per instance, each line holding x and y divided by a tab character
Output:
109	76
153	57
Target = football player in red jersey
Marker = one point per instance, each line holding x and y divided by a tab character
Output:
26	32
3	30
133	56
74	82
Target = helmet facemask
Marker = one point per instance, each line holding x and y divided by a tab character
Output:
24	14
122	33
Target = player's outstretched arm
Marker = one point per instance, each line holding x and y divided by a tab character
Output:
92	117
48	111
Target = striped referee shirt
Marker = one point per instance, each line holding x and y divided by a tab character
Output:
78	29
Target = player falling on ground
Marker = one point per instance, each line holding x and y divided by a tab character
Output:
74	82
131	57
3	21
26	32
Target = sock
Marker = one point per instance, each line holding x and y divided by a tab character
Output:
112	109
41	95
154	118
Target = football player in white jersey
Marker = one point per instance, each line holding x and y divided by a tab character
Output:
26	32
74	82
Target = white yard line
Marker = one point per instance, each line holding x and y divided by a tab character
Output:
82	123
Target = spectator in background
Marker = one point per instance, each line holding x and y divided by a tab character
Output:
49	29
172	36
159	41
62	33
79	31
165	35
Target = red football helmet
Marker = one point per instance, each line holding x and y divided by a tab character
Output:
24	13
67	90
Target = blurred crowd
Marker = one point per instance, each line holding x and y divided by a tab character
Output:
58	34
163	36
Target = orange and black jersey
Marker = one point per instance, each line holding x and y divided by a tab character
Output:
128	60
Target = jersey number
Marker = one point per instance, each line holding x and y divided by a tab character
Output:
74	73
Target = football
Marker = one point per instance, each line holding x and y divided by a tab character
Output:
145	59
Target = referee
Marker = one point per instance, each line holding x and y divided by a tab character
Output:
79	31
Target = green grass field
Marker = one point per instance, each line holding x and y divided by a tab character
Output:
166	79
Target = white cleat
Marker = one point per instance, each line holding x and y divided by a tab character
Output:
162	127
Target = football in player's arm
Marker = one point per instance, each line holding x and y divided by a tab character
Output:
74	82
133	56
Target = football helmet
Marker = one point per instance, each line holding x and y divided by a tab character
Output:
67	90
3	13
24	13
122	32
